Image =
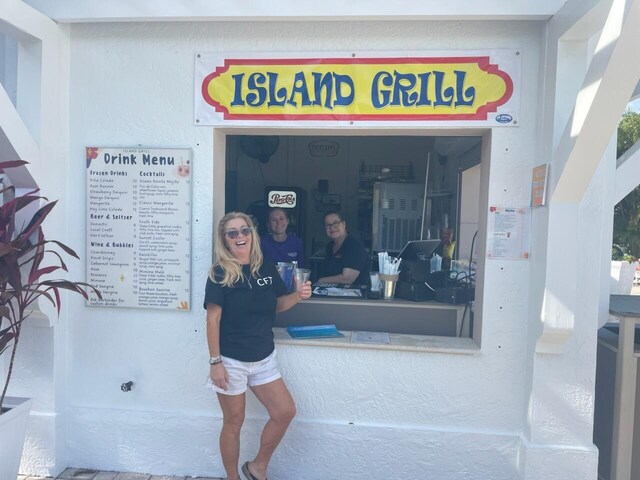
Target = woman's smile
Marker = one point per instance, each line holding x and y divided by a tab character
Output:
335	227
238	236
278	223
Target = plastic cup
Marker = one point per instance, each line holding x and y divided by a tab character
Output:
286	273
375	282
301	275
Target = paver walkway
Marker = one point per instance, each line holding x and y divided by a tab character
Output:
85	474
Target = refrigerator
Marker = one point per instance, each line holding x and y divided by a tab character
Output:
397	215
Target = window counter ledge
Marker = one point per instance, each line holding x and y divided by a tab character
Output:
399	341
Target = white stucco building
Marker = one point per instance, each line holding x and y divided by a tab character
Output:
514	400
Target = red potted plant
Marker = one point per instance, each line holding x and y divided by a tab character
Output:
27	259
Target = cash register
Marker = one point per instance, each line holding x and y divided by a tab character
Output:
416	282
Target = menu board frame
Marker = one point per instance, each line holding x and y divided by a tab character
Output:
138	214
508	233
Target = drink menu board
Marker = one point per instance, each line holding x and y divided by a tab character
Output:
139	227
508	232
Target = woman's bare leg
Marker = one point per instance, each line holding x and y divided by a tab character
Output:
278	401
233	407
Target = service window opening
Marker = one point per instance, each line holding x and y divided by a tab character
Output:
377	183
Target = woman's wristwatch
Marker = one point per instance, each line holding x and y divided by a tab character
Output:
215	360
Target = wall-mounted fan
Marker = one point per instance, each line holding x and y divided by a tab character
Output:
260	147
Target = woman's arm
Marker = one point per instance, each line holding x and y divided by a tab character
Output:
347	277
217	372
285	302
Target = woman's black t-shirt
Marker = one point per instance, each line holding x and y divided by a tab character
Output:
248	311
351	254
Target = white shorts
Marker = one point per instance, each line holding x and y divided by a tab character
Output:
247	374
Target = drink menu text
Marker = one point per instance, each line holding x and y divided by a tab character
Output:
139	227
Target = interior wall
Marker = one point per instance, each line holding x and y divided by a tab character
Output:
351	159
469	212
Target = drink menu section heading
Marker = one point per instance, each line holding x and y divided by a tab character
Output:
139	227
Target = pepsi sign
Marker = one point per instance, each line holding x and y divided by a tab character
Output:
281	199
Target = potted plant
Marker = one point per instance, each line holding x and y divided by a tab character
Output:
24	250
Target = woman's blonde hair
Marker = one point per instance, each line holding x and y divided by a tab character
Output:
223	258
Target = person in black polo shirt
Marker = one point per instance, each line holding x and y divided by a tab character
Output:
243	294
346	260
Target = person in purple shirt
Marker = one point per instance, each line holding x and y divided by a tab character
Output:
278	246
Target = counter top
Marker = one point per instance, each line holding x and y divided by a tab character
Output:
407	342
394	316
380	302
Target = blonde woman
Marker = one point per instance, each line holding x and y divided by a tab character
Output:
242	296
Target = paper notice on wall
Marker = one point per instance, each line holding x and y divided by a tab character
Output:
508	233
139	227
539	185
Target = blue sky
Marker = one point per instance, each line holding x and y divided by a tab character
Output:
635	105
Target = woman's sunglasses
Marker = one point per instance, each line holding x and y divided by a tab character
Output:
233	233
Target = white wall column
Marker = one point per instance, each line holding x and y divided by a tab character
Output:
581	109
36	130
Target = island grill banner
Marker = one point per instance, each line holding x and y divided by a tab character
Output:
462	89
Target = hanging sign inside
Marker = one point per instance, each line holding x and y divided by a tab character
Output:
473	88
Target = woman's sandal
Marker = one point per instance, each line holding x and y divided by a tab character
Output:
247	473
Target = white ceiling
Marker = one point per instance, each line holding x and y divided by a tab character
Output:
454	146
